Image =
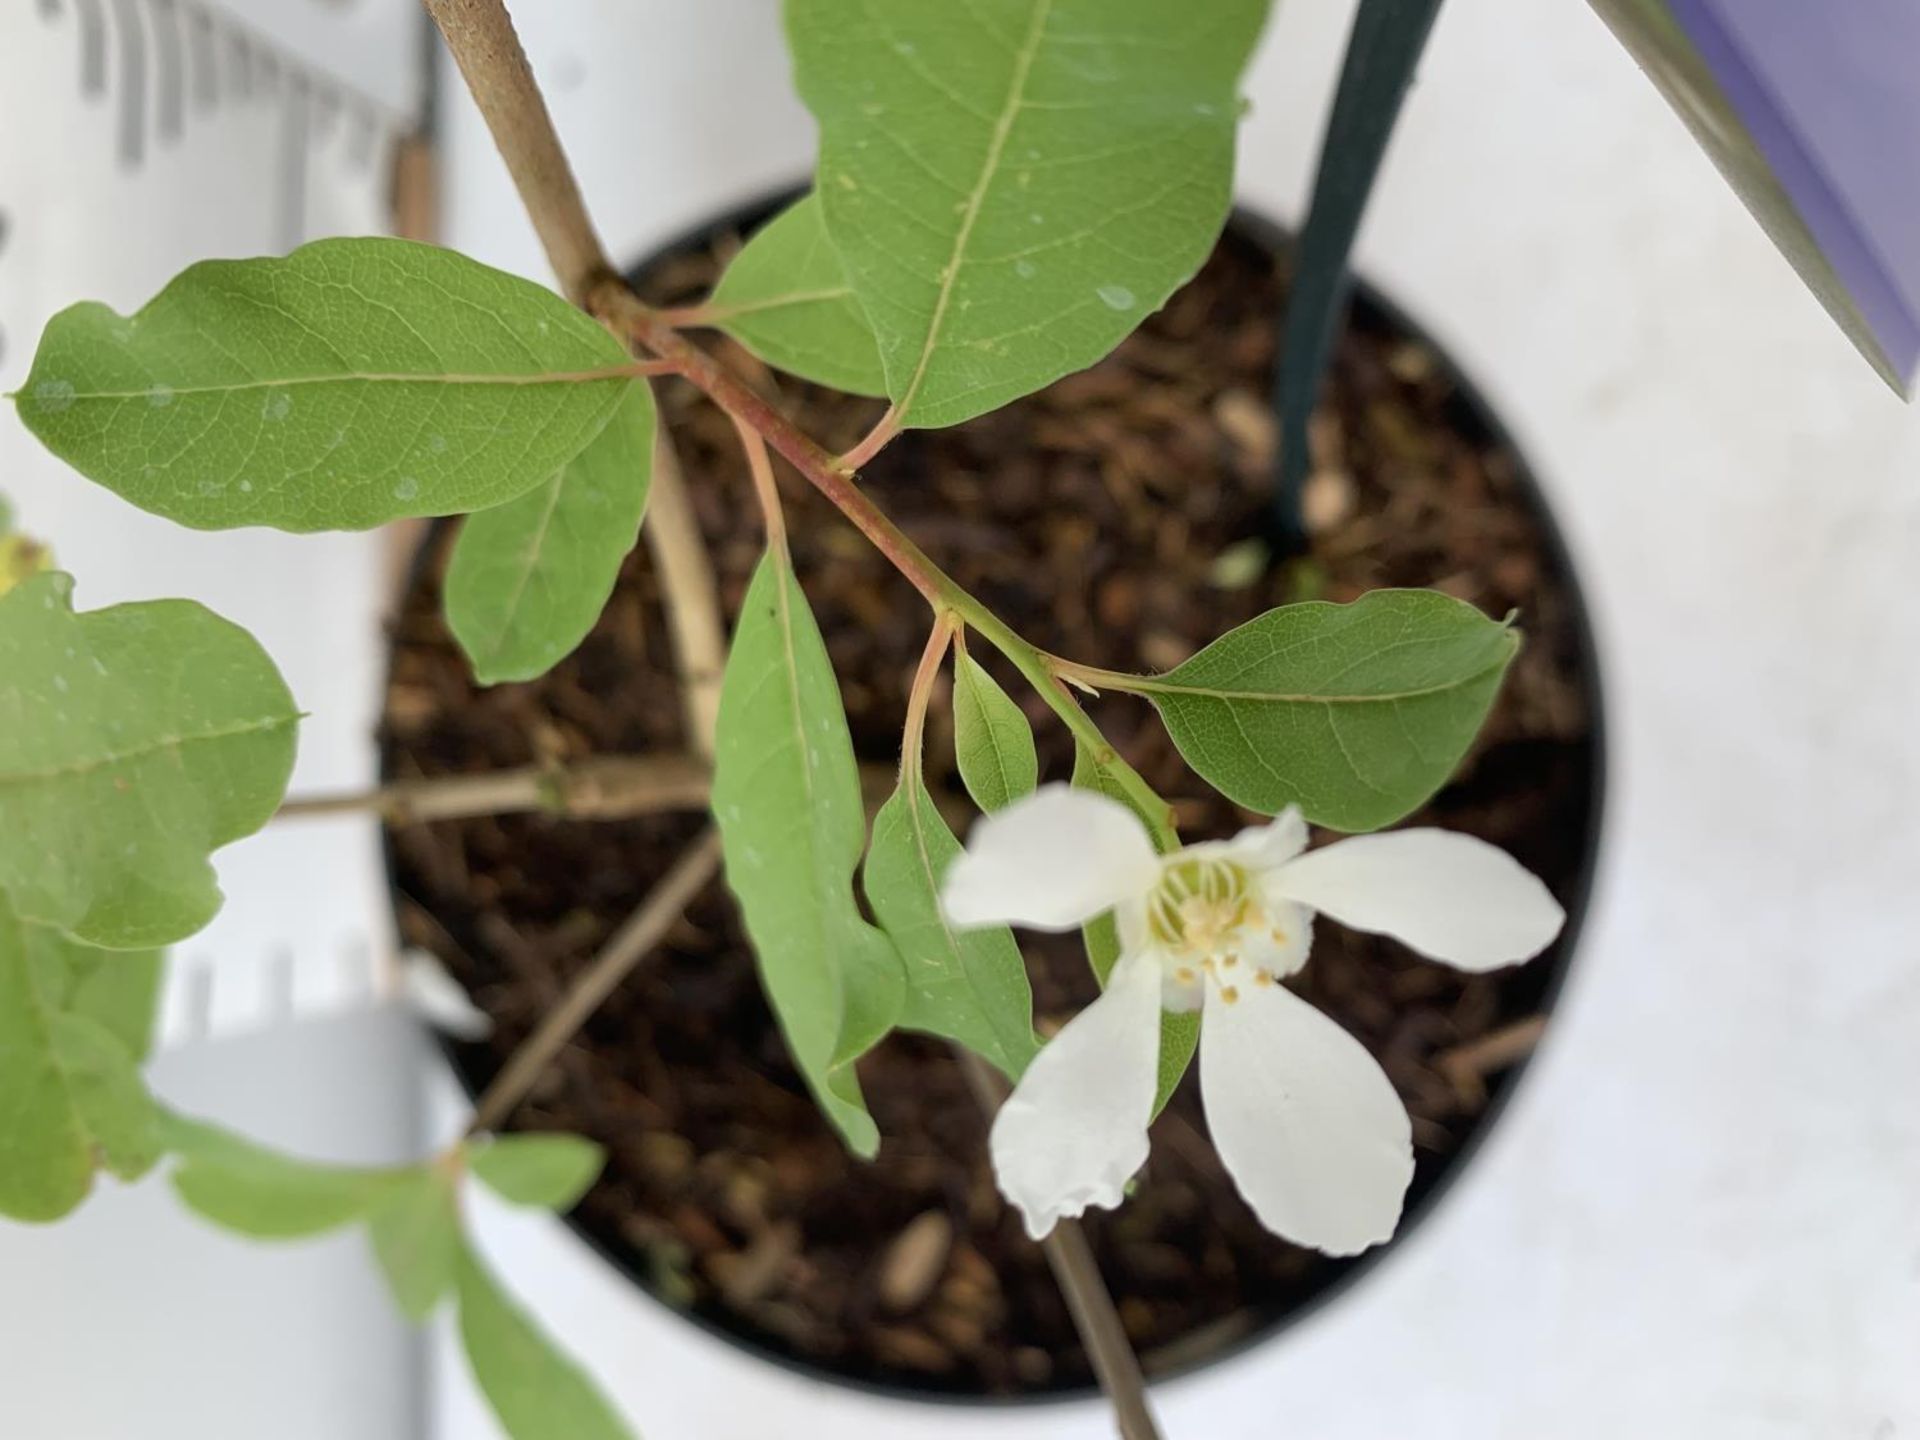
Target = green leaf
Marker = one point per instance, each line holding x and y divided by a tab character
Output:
529	578
537	1392
1355	713
247	1188
969	985
133	742
1013	185
991	739
71	1097
550	1171
1179	1033
786	793
107	1093
786	298
116	989
46	1167
415	1230
353	382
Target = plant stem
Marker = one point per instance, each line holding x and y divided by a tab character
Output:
620	309
1071	1259
609	787
760	467
481	36
913	733
875	440
602	787
693	597
630	944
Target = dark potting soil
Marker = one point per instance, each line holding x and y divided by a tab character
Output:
1104	518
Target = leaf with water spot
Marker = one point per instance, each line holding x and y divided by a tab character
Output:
968	985
786	794
529	578
1356	713
1179	1032
786	298
134	741
353	382
1013	185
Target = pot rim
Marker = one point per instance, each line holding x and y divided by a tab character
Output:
1269	236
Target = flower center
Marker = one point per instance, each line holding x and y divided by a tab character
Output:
1199	905
1208	919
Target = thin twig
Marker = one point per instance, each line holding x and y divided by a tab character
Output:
608	787
1088	1301
605	787
630	944
760	467
481	36
692	595
873	442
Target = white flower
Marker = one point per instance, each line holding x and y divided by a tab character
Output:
440	1000
1306	1123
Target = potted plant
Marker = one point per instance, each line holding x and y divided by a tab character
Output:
995	211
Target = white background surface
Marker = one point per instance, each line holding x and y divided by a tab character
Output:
1701	1216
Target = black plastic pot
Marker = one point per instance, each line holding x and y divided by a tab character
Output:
1545	976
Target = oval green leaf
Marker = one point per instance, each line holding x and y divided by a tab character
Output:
45	1165
251	1190
415	1232
991	739
786	794
116	989
353	382
134	741
537	1392
550	1171
1356	713
1013	185
71	1096
529	578
786	298
967	985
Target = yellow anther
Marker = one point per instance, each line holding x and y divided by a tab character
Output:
1229	994
1263	977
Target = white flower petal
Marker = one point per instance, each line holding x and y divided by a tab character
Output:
1263	847
1075	1128
1306	1123
1451	897
1051	861
437	998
